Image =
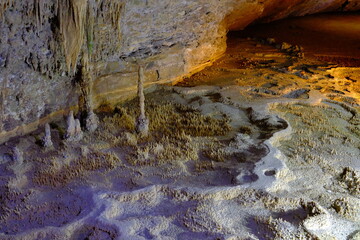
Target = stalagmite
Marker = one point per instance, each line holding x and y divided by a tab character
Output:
46	141
91	121
142	123
73	131
70	131
2	107
17	156
78	132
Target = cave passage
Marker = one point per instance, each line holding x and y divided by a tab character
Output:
317	52
266	145
332	36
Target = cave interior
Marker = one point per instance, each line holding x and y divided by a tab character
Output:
137	120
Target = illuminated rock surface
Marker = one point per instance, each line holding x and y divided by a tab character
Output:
43	42
262	144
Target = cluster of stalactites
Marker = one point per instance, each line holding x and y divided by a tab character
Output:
77	19
115	13
72	18
5	4
31	8
38	11
110	11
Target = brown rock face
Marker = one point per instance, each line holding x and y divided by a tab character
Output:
42	44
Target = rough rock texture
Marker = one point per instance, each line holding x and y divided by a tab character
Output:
142	123
42	44
46	140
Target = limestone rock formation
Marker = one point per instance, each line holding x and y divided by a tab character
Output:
17	156
78	135
42	44
46	140
142	123
73	131
266	121
92	122
70	121
318	218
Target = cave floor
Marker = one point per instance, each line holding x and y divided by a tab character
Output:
263	144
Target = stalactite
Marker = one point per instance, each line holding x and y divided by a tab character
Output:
115	14
77	21
72	17
39	8
5	4
84	21
111	11
37	12
89	28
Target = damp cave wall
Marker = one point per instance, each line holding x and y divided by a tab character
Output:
45	43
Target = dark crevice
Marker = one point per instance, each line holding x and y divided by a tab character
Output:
344	5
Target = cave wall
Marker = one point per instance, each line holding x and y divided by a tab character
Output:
43	44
